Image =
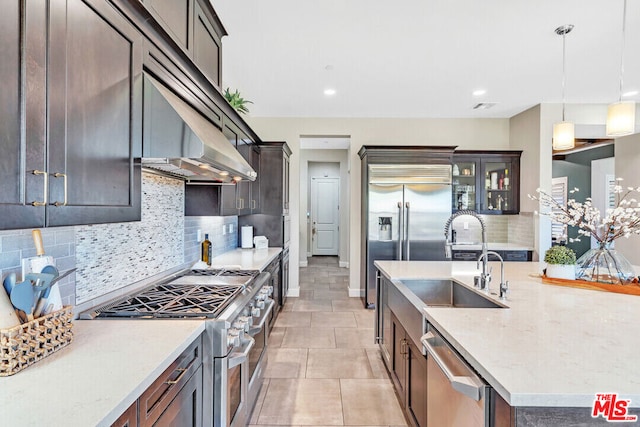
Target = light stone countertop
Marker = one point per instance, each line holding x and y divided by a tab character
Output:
490	246
246	259
553	346
107	366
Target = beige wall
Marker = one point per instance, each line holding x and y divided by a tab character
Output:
478	134
627	161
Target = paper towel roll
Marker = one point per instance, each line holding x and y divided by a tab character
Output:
247	236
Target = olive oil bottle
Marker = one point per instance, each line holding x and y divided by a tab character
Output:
206	250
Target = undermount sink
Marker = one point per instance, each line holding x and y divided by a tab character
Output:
448	293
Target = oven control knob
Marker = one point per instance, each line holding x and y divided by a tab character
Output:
233	337
242	325
255	312
260	297
248	319
260	304
270	290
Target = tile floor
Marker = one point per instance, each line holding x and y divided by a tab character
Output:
323	367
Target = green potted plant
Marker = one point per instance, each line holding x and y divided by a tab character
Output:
236	101
561	262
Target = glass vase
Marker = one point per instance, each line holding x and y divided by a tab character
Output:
604	265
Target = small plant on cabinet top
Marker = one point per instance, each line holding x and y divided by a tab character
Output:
236	101
560	255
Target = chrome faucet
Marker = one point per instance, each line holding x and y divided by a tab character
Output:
485	277
504	286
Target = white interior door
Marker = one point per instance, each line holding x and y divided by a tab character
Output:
325	217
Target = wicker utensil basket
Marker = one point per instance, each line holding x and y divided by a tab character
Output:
26	344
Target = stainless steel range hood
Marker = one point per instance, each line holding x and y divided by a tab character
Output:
181	142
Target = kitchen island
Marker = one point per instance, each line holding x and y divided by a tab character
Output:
552	347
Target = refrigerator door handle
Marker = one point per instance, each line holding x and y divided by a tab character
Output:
406	232
399	257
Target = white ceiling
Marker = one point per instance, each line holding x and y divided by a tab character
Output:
424	58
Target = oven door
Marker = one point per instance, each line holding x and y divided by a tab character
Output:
257	358
230	385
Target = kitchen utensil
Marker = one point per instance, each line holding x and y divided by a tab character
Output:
9	282
45	303
23	295
36	264
8	317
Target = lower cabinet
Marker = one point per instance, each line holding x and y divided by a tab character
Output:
174	398
472	255
409	374
129	418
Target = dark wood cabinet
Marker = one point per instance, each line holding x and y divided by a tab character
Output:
175	397
487	182
207	46
82	92
274	185
408	372
509	255
129	418
175	17
196	29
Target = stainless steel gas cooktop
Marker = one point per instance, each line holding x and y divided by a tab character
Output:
196	294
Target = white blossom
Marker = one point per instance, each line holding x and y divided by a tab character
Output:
620	221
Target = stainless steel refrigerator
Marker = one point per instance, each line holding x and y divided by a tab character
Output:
408	206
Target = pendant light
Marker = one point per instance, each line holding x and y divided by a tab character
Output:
563	132
621	115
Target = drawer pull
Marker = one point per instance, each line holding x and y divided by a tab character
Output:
182	371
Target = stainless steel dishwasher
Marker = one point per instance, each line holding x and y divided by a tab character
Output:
456	395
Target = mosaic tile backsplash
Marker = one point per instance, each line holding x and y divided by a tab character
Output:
112	256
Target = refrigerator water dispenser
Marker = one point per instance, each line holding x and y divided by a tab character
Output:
384	227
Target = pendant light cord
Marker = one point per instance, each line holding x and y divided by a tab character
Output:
624	24
564	65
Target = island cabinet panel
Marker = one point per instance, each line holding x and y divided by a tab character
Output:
79	77
409	373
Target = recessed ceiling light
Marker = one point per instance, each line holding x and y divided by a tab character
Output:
630	93
479	92
329	67
329	92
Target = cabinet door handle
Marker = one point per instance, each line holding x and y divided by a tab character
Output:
238	201
253	204
64	176
46	188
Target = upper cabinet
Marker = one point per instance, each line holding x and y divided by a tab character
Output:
71	113
194	27
487	182
274	182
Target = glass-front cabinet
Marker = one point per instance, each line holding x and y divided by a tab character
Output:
487	182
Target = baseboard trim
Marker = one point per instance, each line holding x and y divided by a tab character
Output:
293	292
304	263
356	292
344	264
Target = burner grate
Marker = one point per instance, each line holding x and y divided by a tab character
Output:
174	300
